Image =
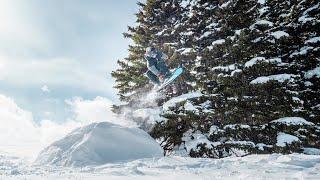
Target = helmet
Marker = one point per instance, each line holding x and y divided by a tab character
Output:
151	52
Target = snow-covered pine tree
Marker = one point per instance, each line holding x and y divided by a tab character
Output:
248	77
251	66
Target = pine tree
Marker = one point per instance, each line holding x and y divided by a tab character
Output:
253	62
244	68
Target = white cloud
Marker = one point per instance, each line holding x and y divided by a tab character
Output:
96	110
16	127
20	135
45	89
16	123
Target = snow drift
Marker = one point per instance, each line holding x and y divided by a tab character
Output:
99	143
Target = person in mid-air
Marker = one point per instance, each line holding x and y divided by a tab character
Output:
157	68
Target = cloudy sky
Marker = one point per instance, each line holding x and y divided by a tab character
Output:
56	58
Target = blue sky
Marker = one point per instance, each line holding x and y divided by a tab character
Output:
54	51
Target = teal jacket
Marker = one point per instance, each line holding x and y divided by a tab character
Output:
156	64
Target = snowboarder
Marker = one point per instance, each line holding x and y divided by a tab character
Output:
157	68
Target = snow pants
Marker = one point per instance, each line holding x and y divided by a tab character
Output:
162	67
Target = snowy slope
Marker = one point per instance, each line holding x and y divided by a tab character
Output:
100	143
272	166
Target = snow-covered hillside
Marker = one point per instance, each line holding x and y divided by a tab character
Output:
274	166
100	143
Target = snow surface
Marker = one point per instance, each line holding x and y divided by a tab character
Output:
311	151
276	77
261	22
256	60
303	51
225	68
274	166
279	34
305	17
313	40
219	41
283	139
187	50
225	4
188	106
292	121
235	72
100	143
314	72
173	101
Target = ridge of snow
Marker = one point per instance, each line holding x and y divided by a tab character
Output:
283	139
313	40
279	34
246	143
314	72
225	4
305	17
311	8
219	41
233	126
261	22
235	71
304	50
205	34
277	77
173	101
256	60
225	68
188	106
187	50
253	61
292	121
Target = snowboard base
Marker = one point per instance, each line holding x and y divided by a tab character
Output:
176	73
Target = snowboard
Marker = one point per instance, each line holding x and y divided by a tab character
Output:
176	73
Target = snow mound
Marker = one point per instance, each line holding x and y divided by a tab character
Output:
292	121
283	139
100	143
